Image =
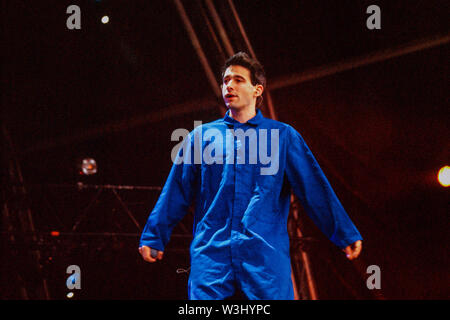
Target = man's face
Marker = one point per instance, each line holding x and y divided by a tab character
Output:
237	89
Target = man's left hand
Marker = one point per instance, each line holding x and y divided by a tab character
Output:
352	251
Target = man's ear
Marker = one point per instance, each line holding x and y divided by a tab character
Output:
259	89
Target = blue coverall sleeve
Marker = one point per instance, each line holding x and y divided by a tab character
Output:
174	200
316	194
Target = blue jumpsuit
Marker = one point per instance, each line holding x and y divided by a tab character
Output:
240	237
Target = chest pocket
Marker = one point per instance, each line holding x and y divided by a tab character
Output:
264	205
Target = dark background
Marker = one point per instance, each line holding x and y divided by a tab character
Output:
379	131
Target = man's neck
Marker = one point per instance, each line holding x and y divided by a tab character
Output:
243	115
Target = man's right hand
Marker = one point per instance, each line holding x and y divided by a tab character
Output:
145	253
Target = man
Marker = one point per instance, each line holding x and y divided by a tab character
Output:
240	240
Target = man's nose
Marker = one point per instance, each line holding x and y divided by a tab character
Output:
230	86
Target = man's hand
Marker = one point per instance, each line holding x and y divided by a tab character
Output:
145	253
352	251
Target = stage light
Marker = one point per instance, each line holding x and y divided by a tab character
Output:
105	19
88	166
54	233
444	176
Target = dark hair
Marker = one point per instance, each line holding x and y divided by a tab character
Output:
257	74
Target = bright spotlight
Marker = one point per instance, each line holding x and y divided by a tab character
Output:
105	19
444	176
89	166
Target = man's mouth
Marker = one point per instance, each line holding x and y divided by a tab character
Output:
229	96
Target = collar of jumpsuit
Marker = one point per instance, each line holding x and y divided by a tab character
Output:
257	119
240	239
